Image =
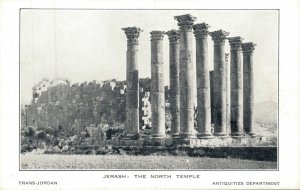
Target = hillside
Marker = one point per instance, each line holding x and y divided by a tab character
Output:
265	116
266	112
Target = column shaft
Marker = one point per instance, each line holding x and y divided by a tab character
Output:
157	85
186	77
174	81
203	82
211	79
219	90
227	70
132	78
236	82
248	87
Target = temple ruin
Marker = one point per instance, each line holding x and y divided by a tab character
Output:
225	99
225	95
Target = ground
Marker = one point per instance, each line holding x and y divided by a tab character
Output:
105	162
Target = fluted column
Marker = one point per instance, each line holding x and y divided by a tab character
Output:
219	90
236	81
203	82
132	78
227	65
174	36
157	85
248	86
186	77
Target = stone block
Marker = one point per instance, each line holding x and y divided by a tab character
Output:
169	141
126	142
122	152
205	142
139	142
216	142
256	139
263	139
186	142
157	142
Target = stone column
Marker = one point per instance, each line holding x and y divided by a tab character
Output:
174	36
227	66
132	78
248	85
157	86
203	82
211	82
186	77
219	90
236	82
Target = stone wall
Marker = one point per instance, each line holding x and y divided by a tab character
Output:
59	104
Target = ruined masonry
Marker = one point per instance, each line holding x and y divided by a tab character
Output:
224	95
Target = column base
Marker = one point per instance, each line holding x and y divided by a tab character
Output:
175	135
184	142
157	136
205	136
157	141
237	135
252	134
220	134
187	136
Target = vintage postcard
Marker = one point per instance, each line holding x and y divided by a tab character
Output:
149	97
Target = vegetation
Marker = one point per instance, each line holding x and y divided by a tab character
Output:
33	138
137	162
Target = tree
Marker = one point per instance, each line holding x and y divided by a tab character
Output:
41	136
30	132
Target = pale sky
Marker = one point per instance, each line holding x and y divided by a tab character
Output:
86	45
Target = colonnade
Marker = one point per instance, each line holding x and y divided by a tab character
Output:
221	95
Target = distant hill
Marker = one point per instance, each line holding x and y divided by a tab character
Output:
266	112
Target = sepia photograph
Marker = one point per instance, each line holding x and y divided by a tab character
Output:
149	89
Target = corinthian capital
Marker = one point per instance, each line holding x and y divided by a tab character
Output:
219	36
174	36
235	42
132	34
185	22
157	35
201	30
248	48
